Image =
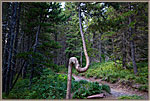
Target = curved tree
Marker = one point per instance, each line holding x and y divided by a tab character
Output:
73	60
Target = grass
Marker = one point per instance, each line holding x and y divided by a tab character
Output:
108	71
131	97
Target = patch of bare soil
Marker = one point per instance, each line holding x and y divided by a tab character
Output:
117	89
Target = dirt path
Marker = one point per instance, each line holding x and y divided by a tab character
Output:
116	89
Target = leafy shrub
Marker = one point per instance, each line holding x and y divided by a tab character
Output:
141	80
144	87
48	86
52	86
61	69
83	81
106	88
88	88
130	77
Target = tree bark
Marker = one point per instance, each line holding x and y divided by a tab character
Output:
123	52
93	46
12	33
34	50
113	50
73	60
24	63
55	52
132	45
6	49
15	46
100	48
81	58
27	48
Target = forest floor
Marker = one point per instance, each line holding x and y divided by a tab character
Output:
117	90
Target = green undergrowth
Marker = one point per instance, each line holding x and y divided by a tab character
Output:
131	97
51	85
87	88
108	71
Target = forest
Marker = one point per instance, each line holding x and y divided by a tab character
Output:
75	50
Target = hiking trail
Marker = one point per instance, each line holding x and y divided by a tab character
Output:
116	89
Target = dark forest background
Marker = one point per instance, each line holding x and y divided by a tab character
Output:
39	36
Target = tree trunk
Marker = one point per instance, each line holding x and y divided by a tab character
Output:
93	45
15	46
12	33
100	48
123	52
26	49
81	58
6	49
114	53
24	70
132	45
73	60
34	50
13	84
55	52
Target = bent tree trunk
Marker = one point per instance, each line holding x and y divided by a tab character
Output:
73	60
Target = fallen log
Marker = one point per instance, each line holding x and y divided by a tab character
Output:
102	95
